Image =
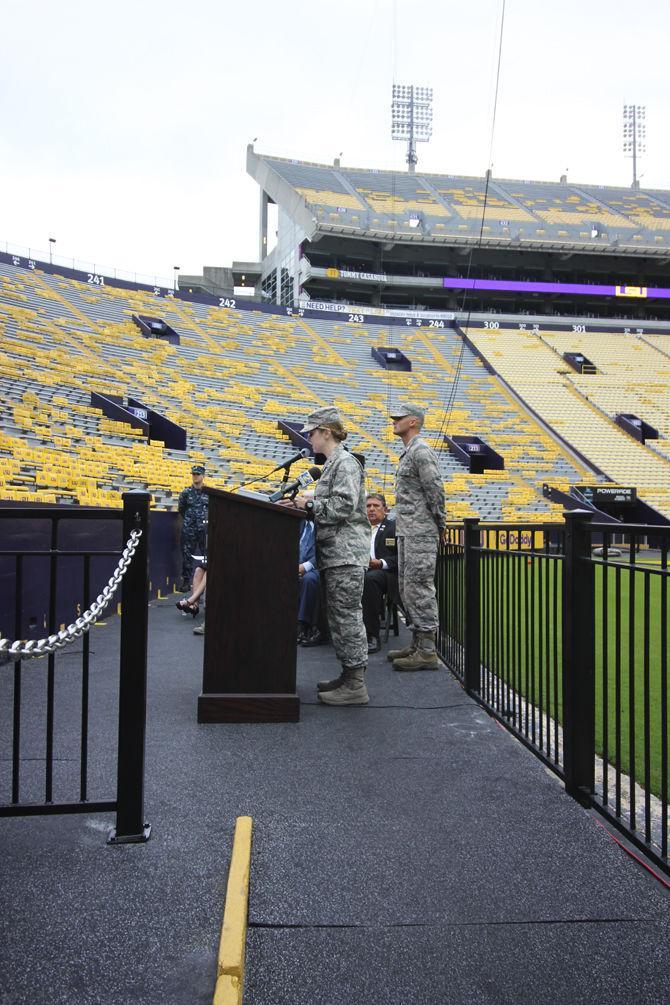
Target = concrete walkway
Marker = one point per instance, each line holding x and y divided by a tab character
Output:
407	852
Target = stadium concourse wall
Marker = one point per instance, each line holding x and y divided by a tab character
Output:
18	534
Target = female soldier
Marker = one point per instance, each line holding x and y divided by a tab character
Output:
343	550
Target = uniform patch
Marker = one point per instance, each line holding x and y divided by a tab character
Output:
390	542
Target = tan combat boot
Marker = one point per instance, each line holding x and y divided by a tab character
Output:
424	656
399	654
352	690
330	685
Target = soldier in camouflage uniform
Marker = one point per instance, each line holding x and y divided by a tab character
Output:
420	522
343	550
193	508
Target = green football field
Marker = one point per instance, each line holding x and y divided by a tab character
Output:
631	619
521	644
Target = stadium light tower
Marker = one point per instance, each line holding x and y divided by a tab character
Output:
412	117
634	135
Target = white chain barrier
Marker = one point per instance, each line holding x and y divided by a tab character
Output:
21	650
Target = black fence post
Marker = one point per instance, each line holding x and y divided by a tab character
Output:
130	824
471	545
578	658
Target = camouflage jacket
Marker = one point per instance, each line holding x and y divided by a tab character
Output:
342	528
419	491
193	507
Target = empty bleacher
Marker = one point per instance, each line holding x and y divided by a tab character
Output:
632	376
233	376
448	206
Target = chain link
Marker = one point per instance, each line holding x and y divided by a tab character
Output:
40	647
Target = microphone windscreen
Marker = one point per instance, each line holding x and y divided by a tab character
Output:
304	452
315	473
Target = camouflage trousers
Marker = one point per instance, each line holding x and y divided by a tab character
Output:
417	557
343	586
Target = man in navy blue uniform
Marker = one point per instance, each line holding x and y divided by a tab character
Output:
381	576
308	597
193	509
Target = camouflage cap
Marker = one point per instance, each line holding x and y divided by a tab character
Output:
404	409
322	417
198	469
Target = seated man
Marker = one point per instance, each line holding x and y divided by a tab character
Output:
381	576
308	596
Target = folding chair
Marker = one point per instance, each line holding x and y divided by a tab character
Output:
391	605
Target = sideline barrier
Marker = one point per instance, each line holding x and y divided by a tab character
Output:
561	633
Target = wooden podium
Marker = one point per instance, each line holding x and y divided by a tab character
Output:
252	611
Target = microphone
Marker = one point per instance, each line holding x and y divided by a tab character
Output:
300	456
312	475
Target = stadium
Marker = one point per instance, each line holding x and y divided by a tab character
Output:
499	359
530	321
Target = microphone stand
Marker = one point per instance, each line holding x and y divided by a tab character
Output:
261	478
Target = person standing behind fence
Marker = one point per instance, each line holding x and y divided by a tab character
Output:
343	551
193	508
420	522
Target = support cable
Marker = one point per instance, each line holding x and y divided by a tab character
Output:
451	398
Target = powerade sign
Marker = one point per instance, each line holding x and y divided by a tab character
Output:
608	495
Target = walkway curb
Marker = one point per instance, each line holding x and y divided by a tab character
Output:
230	966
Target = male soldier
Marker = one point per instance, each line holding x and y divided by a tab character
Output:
193	508
420	522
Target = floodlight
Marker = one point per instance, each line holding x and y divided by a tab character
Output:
411	117
634	134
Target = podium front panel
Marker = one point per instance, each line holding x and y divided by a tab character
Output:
252	597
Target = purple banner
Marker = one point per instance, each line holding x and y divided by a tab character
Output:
581	289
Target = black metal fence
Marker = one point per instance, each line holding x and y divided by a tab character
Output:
561	632
33	693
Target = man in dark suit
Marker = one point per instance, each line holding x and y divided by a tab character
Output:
381	576
308	585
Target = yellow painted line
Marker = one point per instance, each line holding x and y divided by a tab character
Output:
93	326
228	991
196	327
230	967
326	346
434	351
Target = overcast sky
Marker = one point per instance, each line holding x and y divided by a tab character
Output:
125	125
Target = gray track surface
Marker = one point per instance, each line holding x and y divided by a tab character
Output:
407	852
